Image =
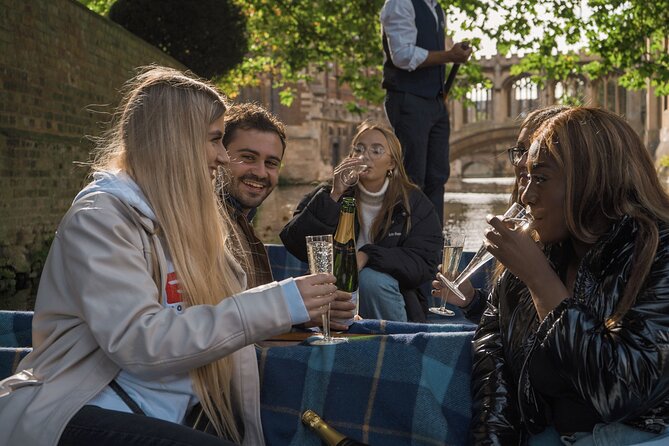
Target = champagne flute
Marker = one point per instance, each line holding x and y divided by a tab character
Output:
517	214
351	176
454	243
320	255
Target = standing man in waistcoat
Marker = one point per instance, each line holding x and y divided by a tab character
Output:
413	77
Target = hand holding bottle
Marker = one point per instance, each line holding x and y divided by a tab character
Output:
343	308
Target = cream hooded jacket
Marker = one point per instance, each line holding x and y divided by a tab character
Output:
98	311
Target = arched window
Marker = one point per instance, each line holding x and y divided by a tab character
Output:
570	92
612	96
524	97
479	105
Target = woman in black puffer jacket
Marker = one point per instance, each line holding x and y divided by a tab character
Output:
574	345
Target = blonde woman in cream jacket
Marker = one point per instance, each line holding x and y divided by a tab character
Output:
141	314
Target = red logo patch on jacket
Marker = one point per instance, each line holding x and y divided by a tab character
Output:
173	297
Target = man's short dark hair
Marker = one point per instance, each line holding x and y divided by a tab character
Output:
251	116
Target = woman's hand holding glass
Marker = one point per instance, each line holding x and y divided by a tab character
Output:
513	247
447	296
344	174
317	291
516	216
342	307
454	243
320	255
524	258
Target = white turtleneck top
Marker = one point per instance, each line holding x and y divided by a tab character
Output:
369	205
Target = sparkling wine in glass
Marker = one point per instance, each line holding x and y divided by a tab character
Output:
351	176
454	243
320	256
517	214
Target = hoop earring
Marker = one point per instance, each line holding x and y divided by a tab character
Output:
389	173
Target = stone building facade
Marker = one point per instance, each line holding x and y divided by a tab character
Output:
484	127
319	126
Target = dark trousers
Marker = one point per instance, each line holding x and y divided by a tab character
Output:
95	426
422	126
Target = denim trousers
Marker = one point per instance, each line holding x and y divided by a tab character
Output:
95	426
380	296
603	434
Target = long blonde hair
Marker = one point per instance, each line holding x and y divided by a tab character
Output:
399	185
160	139
609	174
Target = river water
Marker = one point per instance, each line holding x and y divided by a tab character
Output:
466	203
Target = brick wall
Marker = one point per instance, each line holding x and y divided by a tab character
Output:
61	67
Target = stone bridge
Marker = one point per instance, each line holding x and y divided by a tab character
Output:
478	149
487	123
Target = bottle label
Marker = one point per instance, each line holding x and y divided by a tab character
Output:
348	322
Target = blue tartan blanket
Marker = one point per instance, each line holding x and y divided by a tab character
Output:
15	339
409	387
16	328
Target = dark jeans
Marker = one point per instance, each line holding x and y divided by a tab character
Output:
95	426
422	126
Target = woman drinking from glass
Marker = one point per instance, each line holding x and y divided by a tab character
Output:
398	232
573	347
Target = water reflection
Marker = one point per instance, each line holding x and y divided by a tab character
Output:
466	203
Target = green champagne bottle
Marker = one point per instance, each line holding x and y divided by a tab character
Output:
329	436
345	260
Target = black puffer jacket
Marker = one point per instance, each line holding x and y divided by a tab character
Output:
623	373
410	257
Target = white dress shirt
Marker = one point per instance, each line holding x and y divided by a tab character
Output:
398	22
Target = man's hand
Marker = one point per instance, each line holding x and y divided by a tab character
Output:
340	308
460	52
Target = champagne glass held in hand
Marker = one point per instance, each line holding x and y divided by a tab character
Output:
516	213
454	243
351	176
320	254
